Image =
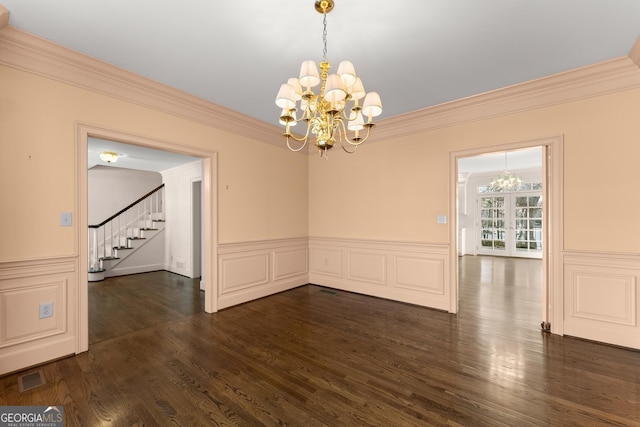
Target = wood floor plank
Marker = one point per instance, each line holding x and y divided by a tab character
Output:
308	357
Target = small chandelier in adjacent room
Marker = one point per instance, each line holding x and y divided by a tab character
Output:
333	113
109	156
506	181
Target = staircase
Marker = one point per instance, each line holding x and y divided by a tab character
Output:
124	233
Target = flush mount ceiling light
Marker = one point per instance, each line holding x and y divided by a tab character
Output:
109	156
333	113
506	181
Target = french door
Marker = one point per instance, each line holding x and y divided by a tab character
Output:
509	224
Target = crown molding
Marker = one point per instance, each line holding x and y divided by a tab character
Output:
635	53
593	80
25	51
4	16
22	50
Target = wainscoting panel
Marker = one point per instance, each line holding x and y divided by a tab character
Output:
601	297
326	261
290	263
251	270
368	267
426	275
25	339
244	271
416	273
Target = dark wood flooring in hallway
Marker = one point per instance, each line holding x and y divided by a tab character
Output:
312	356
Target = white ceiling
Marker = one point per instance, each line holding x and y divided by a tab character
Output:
516	160
134	156
415	53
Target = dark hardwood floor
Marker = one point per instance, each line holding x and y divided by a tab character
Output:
313	356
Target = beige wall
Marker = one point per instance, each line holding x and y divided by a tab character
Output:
266	196
394	190
365	223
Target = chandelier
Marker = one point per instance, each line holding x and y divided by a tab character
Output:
506	181
333	113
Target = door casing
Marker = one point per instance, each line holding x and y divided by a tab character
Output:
552	179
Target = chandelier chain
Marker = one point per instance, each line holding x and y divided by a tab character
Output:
324	38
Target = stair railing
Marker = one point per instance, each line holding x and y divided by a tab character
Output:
116	232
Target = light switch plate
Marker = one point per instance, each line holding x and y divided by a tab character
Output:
442	219
66	219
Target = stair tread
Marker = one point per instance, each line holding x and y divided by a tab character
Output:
108	258
97	271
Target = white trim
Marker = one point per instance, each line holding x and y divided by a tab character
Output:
411	272
255	269
593	80
602	297
25	51
38	343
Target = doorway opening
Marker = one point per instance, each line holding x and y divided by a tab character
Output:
527	230
207	201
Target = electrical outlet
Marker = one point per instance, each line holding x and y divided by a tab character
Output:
46	310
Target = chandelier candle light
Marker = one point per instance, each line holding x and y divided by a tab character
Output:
506	181
327	112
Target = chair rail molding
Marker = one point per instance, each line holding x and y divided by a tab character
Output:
412	272
251	270
25	338
602	298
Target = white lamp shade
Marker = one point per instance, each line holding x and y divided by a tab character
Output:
357	123
334	90
297	89
309	76
288	113
357	90
286	97
347	73
372	106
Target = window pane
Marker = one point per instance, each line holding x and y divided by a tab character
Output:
521	201
535	213
487	202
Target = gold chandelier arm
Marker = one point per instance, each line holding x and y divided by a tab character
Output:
296	149
361	141
304	139
347	151
341	135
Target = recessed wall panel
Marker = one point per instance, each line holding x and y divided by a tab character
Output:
605	298
420	274
290	263
20	310
243	271
368	267
326	261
